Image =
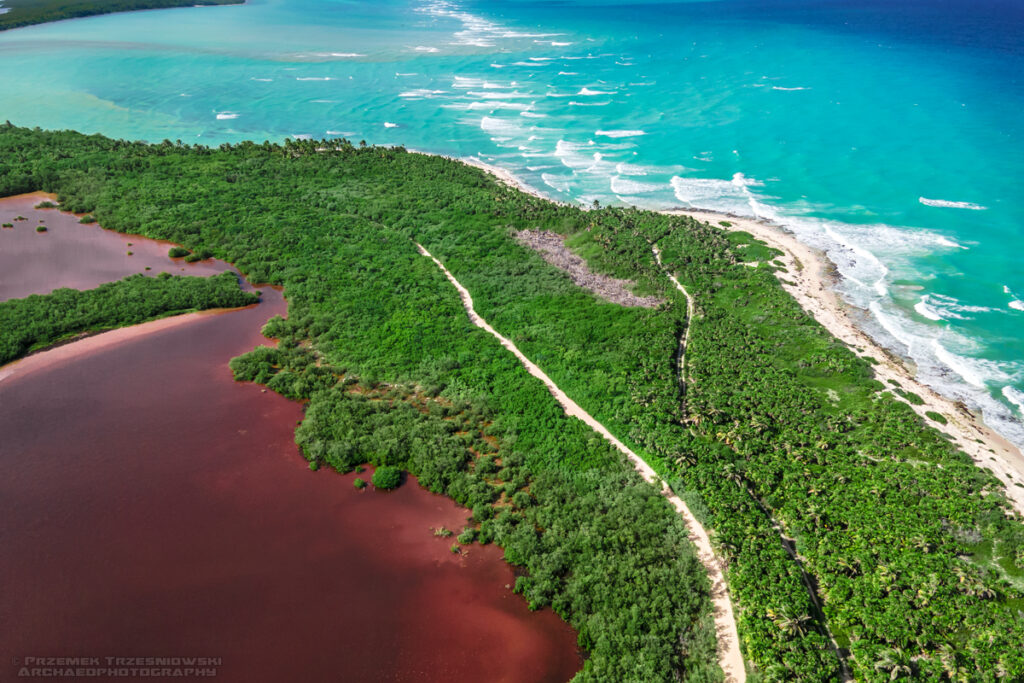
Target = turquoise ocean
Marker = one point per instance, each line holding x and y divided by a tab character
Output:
888	134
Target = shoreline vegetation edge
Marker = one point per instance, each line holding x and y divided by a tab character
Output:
810	279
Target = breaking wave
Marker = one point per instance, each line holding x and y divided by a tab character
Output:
944	203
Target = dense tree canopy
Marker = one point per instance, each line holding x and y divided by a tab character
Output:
26	12
43	319
843	517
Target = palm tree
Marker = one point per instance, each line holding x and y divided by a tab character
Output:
789	624
896	662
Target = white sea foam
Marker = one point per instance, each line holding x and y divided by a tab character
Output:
925	347
262	80
388	124
302	136
502	128
425	48
421	93
946	242
632	169
533	115
620	185
573	103
339	132
476	31
500	95
561	183
405	74
619	133
975	371
491	105
315	78
925	310
1014	396
945	359
1015	303
568	73
779	87
944	203
587	92
227	115
731	196
467	82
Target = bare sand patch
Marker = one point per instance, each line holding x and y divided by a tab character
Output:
810	279
551	247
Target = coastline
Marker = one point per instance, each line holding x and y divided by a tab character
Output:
811	281
83	345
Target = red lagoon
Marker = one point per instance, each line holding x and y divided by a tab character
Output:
72	254
151	506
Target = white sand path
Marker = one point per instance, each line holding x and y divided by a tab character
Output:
685	342
729	657
808	280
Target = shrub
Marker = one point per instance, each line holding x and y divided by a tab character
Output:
178	252
87	219
46	205
443	532
40	228
482	512
387	477
200	255
467	536
359	483
725	224
938	417
8	225
522	500
911	397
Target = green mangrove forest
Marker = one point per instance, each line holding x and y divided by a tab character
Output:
27	12
858	540
41	320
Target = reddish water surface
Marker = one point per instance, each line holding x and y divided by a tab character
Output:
72	254
150	506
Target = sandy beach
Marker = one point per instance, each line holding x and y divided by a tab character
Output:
811	280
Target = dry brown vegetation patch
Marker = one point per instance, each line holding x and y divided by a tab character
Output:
551	247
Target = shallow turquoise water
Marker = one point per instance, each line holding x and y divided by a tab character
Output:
891	137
